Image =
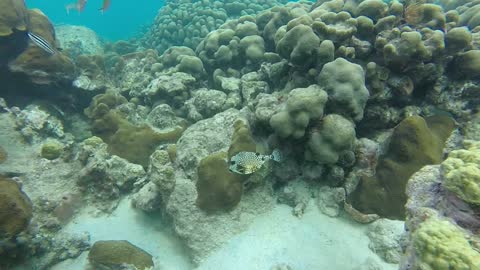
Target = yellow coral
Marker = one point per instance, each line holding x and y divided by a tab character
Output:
440	245
462	172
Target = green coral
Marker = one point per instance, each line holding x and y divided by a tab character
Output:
52	149
440	245
462	172
116	253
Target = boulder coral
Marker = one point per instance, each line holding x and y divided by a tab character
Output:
333	136
345	84
302	106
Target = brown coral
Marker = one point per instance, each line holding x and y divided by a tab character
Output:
15	208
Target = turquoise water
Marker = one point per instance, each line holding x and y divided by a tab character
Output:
121	21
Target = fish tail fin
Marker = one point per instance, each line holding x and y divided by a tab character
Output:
276	155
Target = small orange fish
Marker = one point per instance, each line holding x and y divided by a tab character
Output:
79	6
105	6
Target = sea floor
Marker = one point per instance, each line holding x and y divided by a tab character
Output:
315	241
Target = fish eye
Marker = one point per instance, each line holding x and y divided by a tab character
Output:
232	162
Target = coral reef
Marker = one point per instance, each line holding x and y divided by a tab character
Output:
358	96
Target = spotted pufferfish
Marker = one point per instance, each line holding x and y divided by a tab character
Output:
250	162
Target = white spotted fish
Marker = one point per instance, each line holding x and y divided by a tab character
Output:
250	162
42	43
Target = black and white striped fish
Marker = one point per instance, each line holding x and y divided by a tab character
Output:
42	43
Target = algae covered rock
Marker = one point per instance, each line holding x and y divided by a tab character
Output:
462	172
415	142
112	254
15	208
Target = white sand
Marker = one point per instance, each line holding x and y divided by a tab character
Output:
313	242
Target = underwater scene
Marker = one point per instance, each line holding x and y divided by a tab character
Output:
240	135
